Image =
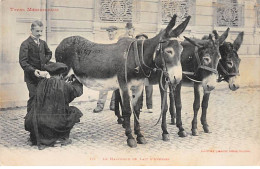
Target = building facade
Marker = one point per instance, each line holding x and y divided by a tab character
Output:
89	18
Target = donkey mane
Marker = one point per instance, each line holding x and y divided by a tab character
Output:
202	40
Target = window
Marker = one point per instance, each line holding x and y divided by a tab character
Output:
182	8
116	10
229	13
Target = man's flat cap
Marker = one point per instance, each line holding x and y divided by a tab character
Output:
111	28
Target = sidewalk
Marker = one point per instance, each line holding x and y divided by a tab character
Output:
233	118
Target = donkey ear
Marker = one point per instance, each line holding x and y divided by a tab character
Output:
170	25
177	31
223	37
193	42
237	43
215	34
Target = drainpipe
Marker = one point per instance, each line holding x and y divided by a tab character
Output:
47	24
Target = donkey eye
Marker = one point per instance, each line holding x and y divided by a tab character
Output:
169	51
229	64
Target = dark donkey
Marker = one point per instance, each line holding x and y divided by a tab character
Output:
113	66
228	69
199	56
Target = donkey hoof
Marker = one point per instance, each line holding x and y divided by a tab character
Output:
141	140
123	125
165	137
131	143
206	129
194	132
120	120
173	122
182	133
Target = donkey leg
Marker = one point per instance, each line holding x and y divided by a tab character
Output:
137	102
172	106
196	107
164	107
126	115
140	138
178	104
204	106
117	111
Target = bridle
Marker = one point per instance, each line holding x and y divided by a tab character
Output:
200	66
224	74
139	59
164	70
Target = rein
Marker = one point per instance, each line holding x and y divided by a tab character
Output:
167	79
164	71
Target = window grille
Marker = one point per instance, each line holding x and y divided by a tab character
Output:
229	13
182	8
116	10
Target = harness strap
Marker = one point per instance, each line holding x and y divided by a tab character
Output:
197	56
209	69
142	56
222	68
163	102
196	81
137	60
226	72
188	73
126	56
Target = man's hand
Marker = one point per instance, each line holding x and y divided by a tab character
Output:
70	79
37	73
43	74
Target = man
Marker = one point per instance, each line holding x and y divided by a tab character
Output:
51	118
34	54
129	31
148	88
112	32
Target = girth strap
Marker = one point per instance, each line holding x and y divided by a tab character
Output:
137	59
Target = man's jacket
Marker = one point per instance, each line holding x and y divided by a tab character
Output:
33	57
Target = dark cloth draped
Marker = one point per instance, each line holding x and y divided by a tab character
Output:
51	117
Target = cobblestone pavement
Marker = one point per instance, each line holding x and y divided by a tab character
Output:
233	117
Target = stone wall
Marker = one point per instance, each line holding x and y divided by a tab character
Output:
89	18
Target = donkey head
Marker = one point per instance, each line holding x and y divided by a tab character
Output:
206	59
228	67
170	49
